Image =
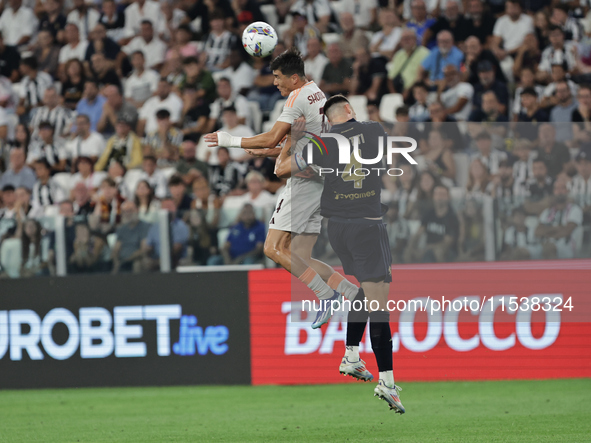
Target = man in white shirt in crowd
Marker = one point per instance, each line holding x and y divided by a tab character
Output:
257	196
75	47
508	35
315	61
46	192
455	95
17	24
48	148
142	83
227	98
363	11
87	143
84	17
52	112
384	42
152	47
233	127
239	72
141	10
164	99
154	176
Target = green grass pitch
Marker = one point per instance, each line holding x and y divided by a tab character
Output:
508	411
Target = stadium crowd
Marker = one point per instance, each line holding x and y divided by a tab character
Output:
103	105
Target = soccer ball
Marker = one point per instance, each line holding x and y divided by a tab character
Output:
259	39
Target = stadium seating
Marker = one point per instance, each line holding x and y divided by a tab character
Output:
359	104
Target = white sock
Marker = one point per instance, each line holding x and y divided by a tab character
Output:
320	288
348	289
388	378
352	353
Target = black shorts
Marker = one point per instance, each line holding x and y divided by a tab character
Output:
362	246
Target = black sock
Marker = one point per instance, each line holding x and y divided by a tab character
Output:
356	320
381	339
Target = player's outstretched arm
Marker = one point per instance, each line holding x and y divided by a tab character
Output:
266	140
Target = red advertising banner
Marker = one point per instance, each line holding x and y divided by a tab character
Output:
505	342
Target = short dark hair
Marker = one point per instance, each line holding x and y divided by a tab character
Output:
84	116
402	110
150	158
289	62
191	60
161	114
422	85
43	162
553	28
8	188
176	180
147	22
529	91
31	62
333	101
110	182
138	52
585	86
46	125
229	109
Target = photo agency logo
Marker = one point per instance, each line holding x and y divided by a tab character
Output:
352	161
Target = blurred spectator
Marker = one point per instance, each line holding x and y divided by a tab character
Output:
559	225
218	43
227	98
318	12
398	232
416	209
8	208
20	139
232	127
385	41
406	63
522	168
300	32
266	167
83	205
30	233
539	188
558	52
18	174
451	20
202	239
73	80
455	95
189	167
48	148
528	56
103	72
152	47
52	20
415	11
164	143
107	209
486	75
100	43
446	124
419	111
315	60
91	103
33	84
530	113
479	180
164	99
47	53
154	176
182	42
86	143
336	78
75	48
179	234
569	25
352	38
86	174
178	192
142	83
490	157
441	227
146	202
265	92
475	54
23	201
490	111
373	112
558	76
510	31
124	147
438	156
84	17
580	186
364	13
112	20
131	237
561	114
581	116
402	190
140	12
239	72
117	172
553	153
445	53
206	202
88	250
195	115
9	61
51	111
471	235
255	195
503	186
114	109
519	241
46	192
369	76
225	176
198	79
245	241
17	23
